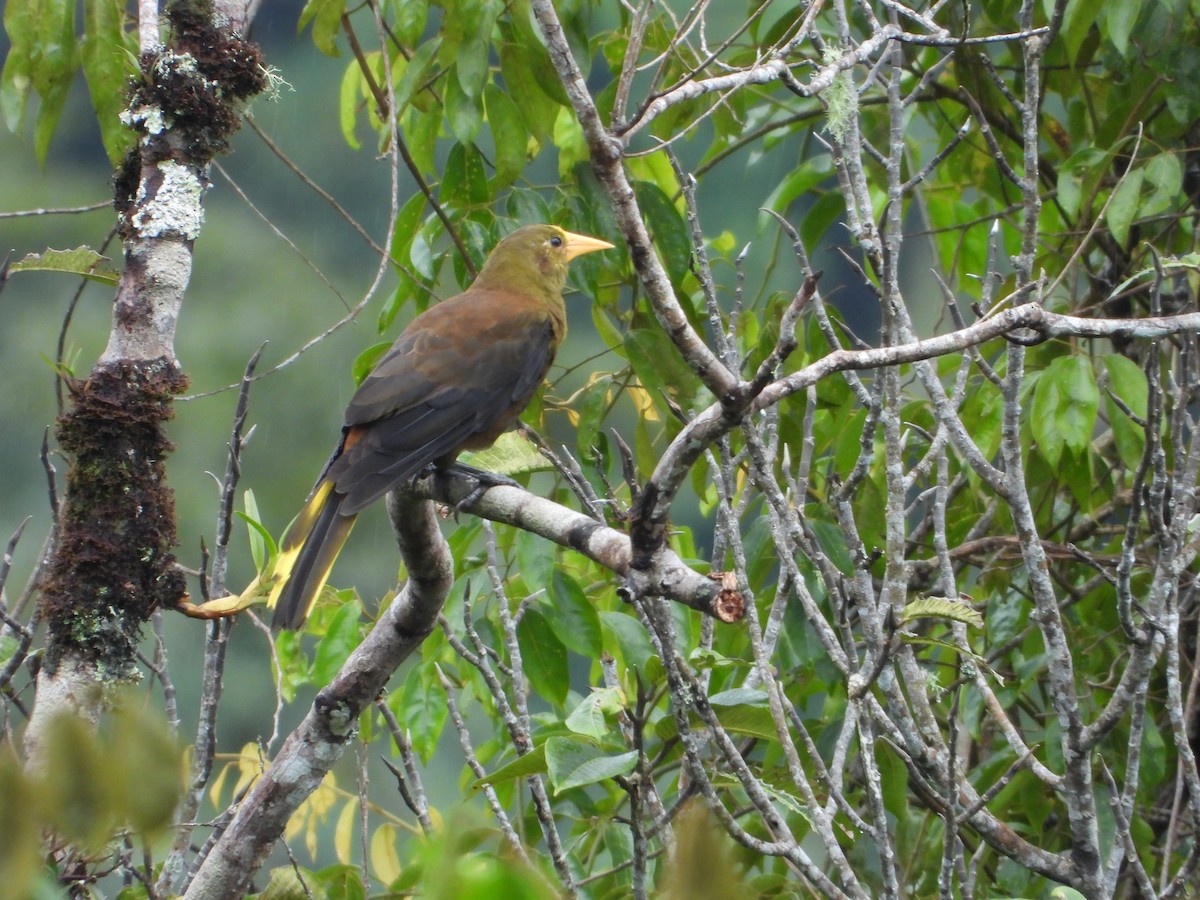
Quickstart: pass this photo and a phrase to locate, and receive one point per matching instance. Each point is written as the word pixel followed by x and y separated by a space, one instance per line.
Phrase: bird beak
pixel 579 244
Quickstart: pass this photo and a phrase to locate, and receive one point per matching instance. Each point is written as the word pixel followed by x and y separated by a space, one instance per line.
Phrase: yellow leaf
pixel 385 861
pixel 249 766
pixel 644 402
pixel 218 786
pixel 315 811
pixel 435 816
pixel 344 832
pixel 185 763
pixel 954 609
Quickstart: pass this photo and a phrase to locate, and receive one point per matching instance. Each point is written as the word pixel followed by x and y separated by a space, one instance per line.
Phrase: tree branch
pixel 318 742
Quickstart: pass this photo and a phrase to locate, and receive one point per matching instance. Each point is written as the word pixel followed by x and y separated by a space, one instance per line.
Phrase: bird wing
pixel 459 375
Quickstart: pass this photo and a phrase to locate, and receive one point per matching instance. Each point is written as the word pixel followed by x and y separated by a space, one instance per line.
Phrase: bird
pixel 455 379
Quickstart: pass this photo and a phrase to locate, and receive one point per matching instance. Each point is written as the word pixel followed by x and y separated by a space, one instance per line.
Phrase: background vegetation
pixel 952 483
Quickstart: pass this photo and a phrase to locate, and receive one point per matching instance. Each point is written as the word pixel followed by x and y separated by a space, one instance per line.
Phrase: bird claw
pixel 484 483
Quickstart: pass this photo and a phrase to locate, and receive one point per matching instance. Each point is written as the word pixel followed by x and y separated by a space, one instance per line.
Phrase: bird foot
pixel 484 481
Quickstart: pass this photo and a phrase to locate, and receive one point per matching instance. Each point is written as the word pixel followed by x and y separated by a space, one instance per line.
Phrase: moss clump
pixel 112 563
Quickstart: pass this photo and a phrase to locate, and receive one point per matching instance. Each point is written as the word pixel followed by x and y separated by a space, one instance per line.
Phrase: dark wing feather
pixel 460 374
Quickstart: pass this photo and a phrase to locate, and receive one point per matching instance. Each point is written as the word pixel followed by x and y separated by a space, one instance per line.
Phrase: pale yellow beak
pixel 579 244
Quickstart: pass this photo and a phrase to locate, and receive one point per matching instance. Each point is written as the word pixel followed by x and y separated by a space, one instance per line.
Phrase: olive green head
pixel 534 259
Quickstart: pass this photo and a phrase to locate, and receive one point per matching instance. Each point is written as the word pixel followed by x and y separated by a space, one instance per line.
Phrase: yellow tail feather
pixel 307 552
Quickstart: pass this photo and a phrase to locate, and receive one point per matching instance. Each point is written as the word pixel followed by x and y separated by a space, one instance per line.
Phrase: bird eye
pixel 556 241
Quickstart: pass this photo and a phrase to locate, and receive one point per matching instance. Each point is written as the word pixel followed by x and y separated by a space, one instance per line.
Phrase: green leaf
pixel 984 416
pixel 632 644
pixel 421 708
pixel 464 114
pixel 408 222
pixel 572 763
pixel 568 139
pixel 800 181
pixel 82 261
pixel 703 658
pixel 366 361
pixel 739 697
pixel 590 717
pixel 326 18
pixel 740 711
pixel 262 545
pixel 16 81
pixel 820 217
pixel 471 61
pixel 949 608
pixel 340 638
pixel 22 823
pixel 465 182
pixel 572 616
pixel 529 40
pixel 416 74
pixel 93 780
pixel 1077 21
pixel 1120 19
pixel 511 454
pixel 1065 403
pixel 659 367
pixel 420 252
pixel 1079 175
pixel 352 90
pixel 8 648
pixel 1188 262
pixel 894 784
pixel 535 560
pixel 337 882
pixel 1164 175
pixel 508 135
pixel 108 52
pixel 667 228
pixel 54 61
pixel 1127 381
pixel 532 763
pixel 1046 400
pixel 849 423
pixel 144 765
pixel 538 109
pixel 589 414
pixel 1077 418
pixel 1070 191
pixel 408 22
pixel 544 657
pixel 1123 206
pixel 608 330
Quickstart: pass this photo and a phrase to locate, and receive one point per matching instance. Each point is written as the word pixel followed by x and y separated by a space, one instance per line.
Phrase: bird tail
pixel 306 555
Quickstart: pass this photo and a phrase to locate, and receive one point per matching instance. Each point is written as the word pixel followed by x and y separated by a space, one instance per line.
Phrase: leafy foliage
pixel 123 779
pixel 46 55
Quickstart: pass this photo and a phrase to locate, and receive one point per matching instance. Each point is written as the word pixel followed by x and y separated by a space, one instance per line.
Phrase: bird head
pixel 536 257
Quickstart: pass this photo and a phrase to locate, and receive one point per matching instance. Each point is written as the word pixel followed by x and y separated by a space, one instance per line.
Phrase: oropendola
pixel 457 377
